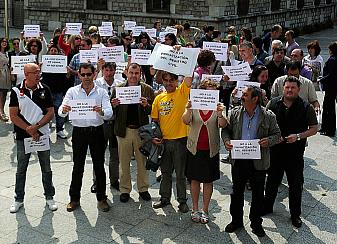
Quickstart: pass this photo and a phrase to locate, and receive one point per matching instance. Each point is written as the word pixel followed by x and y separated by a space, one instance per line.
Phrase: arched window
pixel 158 6
pixel 275 5
pixel 243 7
pixel 300 4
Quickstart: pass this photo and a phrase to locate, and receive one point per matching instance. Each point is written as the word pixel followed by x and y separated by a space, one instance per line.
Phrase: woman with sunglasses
pixel 71 47
pixel 35 46
pixel 5 81
pixel 126 41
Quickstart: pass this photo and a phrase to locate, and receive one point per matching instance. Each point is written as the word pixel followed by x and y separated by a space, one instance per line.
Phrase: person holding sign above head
pixel 203 144
pixel 132 105
pixel 35 46
pixel 88 106
pixel 167 109
pixel 74 64
pixel 57 82
pixel 31 110
pixel 297 121
pixel 252 124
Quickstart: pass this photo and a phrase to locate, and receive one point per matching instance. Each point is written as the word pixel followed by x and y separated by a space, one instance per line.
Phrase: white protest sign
pixel 82 109
pixel 173 30
pixel 128 94
pixel 18 62
pixel 73 28
pixel 54 64
pixel 34 146
pixel 238 72
pixel 120 67
pixel 96 46
pixel 151 32
pixel 128 25
pixel 180 62
pixel 107 23
pixel 215 78
pixel 204 99
pixel 105 30
pixel 31 30
pixel 246 149
pixel 162 35
pixel 112 54
pixel 218 48
pixel 140 56
pixel 137 30
pixel 240 85
pixel 88 56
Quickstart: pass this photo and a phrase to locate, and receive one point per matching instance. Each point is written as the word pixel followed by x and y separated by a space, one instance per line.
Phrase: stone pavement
pixel 137 222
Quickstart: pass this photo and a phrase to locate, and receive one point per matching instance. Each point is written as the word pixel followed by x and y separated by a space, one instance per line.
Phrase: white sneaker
pixel 61 134
pixel 15 207
pixel 51 205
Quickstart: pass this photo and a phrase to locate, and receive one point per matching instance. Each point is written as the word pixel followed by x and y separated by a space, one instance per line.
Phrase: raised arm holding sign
pixel 73 28
pixel 218 48
pixel 54 64
pixel 31 30
pixel 238 72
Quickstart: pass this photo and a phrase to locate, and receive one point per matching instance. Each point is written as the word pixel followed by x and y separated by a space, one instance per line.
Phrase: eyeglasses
pixel 33 45
pixel 15 43
pixel 86 74
pixel 128 39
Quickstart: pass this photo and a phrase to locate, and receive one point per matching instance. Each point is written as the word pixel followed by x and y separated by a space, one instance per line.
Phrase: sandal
pixel 4 117
pixel 195 216
pixel 204 218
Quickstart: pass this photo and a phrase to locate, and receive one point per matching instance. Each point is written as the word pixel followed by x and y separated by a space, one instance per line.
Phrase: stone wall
pixel 220 13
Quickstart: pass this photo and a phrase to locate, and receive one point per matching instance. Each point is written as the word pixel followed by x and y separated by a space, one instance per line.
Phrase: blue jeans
pixel 57 101
pixel 23 161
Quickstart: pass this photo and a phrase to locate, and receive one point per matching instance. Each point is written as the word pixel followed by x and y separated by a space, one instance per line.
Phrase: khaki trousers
pixel 126 147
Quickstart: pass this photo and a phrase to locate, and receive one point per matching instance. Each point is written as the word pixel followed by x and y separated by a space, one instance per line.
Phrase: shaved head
pixel 30 67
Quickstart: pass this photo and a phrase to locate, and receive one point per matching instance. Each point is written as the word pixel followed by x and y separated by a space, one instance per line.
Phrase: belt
pixel 133 126
pixel 89 128
pixel 178 139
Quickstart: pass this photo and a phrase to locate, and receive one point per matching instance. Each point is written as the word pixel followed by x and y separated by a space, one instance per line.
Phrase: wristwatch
pixel 298 137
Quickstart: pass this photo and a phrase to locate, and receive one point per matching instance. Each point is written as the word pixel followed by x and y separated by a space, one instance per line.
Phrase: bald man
pixel 31 109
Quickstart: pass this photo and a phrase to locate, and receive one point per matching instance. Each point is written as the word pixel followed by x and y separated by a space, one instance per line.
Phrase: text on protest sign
pixel 18 63
pixel 128 94
pixel 240 85
pixel 82 109
pixel 105 23
pixel 218 48
pixel 151 32
pixel 36 146
pixel 95 46
pixel 128 25
pixel 238 72
pixel 73 28
pixel 140 56
pixel 246 149
pixel 120 67
pixel 180 62
pixel 112 54
pixel 204 99
pixel 54 64
pixel 31 30
pixel 137 30
pixel 105 30
pixel 173 30
pixel 215 78
pixel 88 56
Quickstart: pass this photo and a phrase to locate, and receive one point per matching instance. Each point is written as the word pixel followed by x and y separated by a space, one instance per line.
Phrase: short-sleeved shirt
pixel 168 108
pixel 75 64
pixel 41 97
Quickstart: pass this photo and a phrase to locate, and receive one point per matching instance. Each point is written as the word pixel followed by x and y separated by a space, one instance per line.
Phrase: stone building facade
pixel 259 15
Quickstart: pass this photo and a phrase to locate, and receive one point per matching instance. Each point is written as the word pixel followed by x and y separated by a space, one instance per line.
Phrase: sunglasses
pixel 86 74
pixel 128 39
pixel 16 43
pixel 77 38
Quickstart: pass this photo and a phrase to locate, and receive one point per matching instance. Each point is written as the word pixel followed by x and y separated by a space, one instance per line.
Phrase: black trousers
pixel 242 171
pixel 329 112
pixel 293 166
pixel 82 138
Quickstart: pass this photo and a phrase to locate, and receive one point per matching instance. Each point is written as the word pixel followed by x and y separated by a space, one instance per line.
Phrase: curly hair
pixel 205 58
pixel 5 39
pixel 38 43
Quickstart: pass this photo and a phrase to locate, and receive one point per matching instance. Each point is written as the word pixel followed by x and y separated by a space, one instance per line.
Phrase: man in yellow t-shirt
pixel 167 110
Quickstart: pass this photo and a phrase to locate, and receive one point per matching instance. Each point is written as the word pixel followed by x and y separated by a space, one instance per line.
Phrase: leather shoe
pixel 258 230
pixel 93 188
pixel 232 227
pixel 103 206
pixel 160 204
pixel 145 195
pixel 73 205
pixel 296 221
pixel 115 185
pixel 124 197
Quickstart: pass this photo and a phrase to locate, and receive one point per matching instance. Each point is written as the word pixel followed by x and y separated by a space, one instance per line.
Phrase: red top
pixel 64 46
pixel 203 142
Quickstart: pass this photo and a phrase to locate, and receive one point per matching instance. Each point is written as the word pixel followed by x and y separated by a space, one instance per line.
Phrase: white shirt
pixel 101 82
pixel 97 93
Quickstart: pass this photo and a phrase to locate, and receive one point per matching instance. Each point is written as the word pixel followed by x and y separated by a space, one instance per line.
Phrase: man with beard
pixel 297 121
